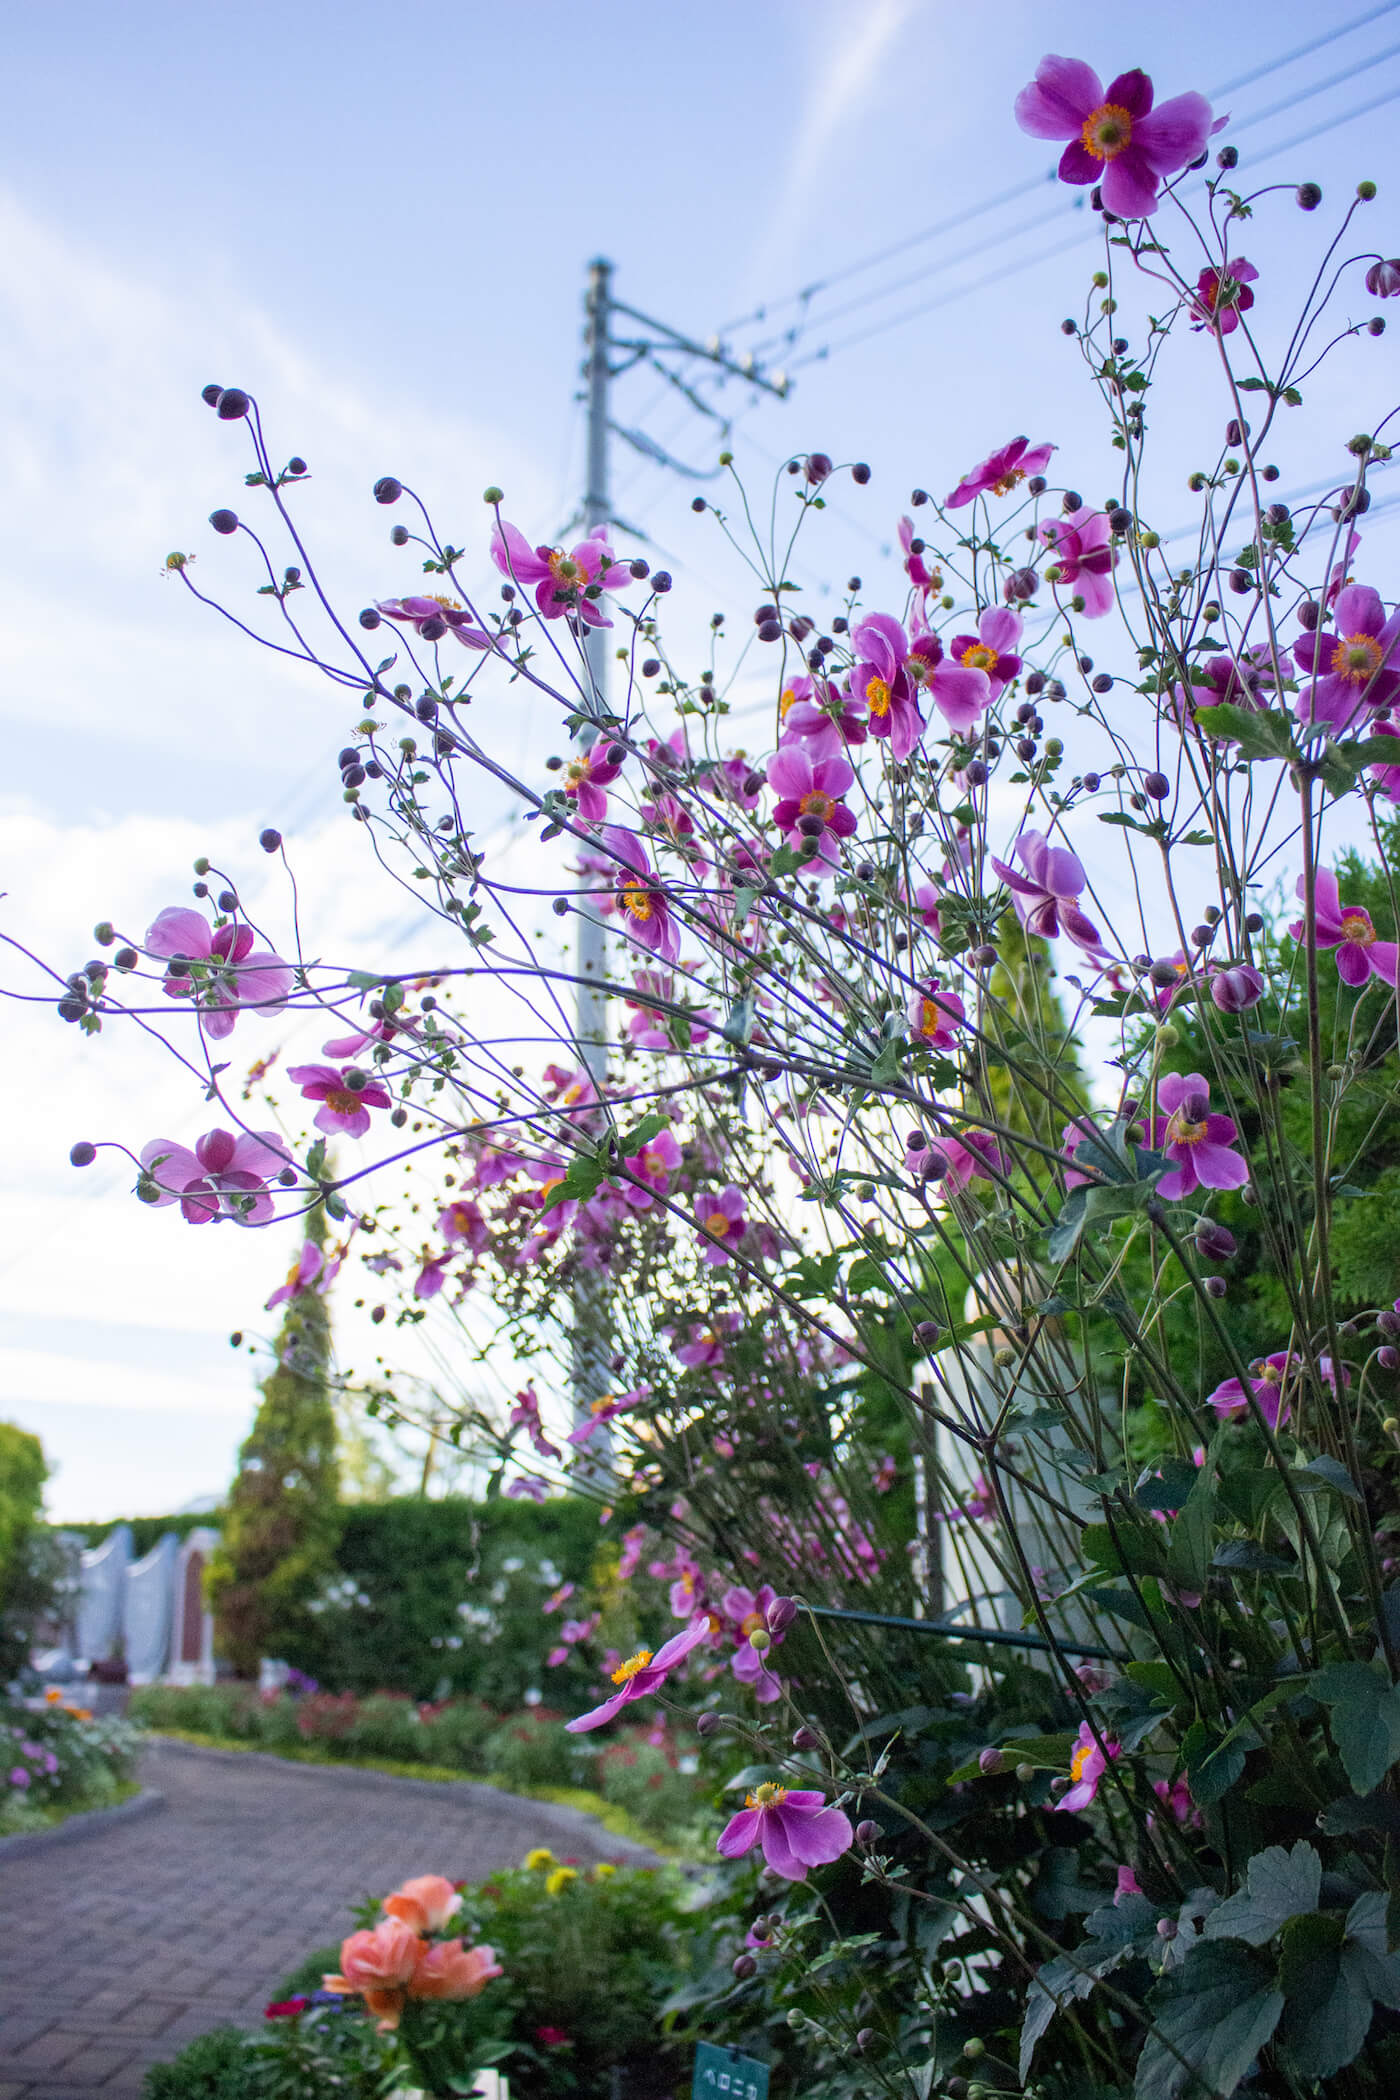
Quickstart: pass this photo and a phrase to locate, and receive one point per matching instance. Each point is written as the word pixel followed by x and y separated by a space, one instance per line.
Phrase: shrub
pixel 532 1749
pixel 57 1755
pixel 644 1778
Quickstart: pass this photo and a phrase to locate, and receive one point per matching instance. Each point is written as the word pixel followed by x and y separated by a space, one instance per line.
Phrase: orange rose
pixel 378 1966
pixel 450 1970
pixel 424 1904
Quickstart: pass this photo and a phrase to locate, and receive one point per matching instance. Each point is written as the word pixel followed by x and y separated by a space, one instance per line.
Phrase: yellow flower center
pixel 817 803
pixel 576 772
pixel 636 901
pixel 877 694
pixel 625 1672
pixel 595 1407
pixel 754 1622
pixel 978 657
pixel 565 570
pixel 932 1016
pixel 546 1187
pixel 717 1224
pixel 1357 929
pixel 1357 658
pixel 342 1101
pixel 1008 481
pixel 1180 1132
pixel 786 699
pixel 1106 131
pixel 769 1795
pixel 652 1163
pixel 441 598
pixel 1079 1760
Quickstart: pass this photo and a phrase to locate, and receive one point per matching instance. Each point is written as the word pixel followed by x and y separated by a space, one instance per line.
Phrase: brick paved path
pixel 117 1949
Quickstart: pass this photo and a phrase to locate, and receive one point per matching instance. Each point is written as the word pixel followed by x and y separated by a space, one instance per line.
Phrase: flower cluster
pixel 407 1957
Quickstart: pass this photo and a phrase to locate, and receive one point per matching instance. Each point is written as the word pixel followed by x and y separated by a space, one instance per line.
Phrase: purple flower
pixel 960 691
pixel 1267 1375
pixel 1198 1142
pixel 878 677
pixel 748 1612
pixel 1383 278
pixel 304 1273
pixel 1222 295
pixel 935 1017
pixel 1087 1767
pixel 432 618
pixel 722 1223
pixel 1235 987
pixel 1238 679
pixel 1356 666
pixel 1046 897
pixel 810 810
pixel 208 1182
pixel 795 1828
pixel 642 1673
pixel 1348 929
pixel 585 777
pixel 1000 472
pixel 562 580
pixel 227 975
pixel 998 632
pixel 1116 137
pixel 1387 778
pixel 344 1110
pixel 1083 550
pixel 646 916
pixel 923 578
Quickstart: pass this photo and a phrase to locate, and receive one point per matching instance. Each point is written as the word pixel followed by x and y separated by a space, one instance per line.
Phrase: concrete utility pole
pixel 590 1331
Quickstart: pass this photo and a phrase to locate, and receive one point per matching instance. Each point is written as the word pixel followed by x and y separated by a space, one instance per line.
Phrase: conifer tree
pixel 282 1518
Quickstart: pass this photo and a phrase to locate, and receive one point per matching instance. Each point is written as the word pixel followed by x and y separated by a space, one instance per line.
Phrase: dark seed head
pixel 83 1154
pixel 387 489
pixel 269 840
pixel 232 404
pixel 224 521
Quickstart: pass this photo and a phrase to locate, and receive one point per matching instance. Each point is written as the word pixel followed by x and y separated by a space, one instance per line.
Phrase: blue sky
pixel 379 219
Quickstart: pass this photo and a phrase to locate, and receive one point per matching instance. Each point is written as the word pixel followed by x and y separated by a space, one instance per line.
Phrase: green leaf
pixel 884 1068
pixel 1326 1472
pixel 585 1176
pixel 1258 735
pixel 1327 1983
pixel 636 1140
pixel 363 980
pixel 1210 2019
pixel 739 1022
pixel 1114 1933
pixel 1212 1764
pixel 1193 1535
pixel 1365 1720
pixel 1253 1559
pixel 1278 1886
pixel 1166 1485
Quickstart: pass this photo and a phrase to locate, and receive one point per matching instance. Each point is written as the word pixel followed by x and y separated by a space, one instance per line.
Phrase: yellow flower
pixel 560 1879
pixel 603 1869
pixel 540 1857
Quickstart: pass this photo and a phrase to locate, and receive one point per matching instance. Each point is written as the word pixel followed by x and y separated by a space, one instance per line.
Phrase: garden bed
pixel 65 1825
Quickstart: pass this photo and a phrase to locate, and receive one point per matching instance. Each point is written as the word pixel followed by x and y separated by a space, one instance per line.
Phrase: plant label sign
pixel 724 2072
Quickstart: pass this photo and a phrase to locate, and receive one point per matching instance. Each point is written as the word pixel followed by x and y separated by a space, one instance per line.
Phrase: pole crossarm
pixel 745 367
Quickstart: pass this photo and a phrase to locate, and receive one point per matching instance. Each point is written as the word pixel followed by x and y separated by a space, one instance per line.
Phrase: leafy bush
pixel 57 1755
pixel 532 1749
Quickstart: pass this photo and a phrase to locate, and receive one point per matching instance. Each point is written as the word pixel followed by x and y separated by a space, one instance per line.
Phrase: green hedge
pixel 391 1618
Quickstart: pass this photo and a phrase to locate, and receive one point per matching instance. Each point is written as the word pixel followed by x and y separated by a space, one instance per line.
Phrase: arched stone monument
pixel 147 1611
pixel 101 1604
pixel 192 1634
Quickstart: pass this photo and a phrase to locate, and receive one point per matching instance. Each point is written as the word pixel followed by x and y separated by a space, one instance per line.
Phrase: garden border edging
pixel 86 1823
pixel 564 1824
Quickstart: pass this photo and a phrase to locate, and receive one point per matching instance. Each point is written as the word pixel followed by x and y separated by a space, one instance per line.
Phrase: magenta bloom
pixel 1267 1375
pixel 227 974
pixel 935 1017
pixel 653 1166
pixel 826 720
pixel 748 1612
pixel 585 777
pixel 1387 778
pixel 722 1223
pixel 642 1673
pixel 1000 472
pixel 1235 987
pixel 1356 666
pixel 344 1110
pixel 646 916
pixel 1238 679
pixel 302 1276
pixel 1046 897
pixel 1348 929
pixel 989 650
pixel 1086 1768
pixel 810 785
pixel 1082 547
pixel 432 618
pixel 1221 296
pixel 462 1224
pixel 923 578
pixel 794 1826
pixel 601 1412
pixel 1198 1142
pixel 562 581
pixel 878 677
pixel 1383 278
pixel 208 1182
pixel 955 1161
pixel 526 1414
pixel 1116 137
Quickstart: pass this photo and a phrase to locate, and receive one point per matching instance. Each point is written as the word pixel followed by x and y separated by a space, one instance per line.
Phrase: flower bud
pixel 370 618
pixel 867 1833
pixel 232 404
pixel 1309 196
pixel 1214 1286
pixel 224 521
pixel 1383 279
pixel 1025 1773
pixel 781 1613
pixel 269 840
pixel 817 467
pixel 1389 1324
pixel 126 958
pixel 1020 586
pixel 83 1154
pixel 744 1966
pixel 804 1739
pixel 1236 989
pixel 707 1725
pixel 661 582
pixel 1156 785
pixel 860 473
pixel 1388 1358
pixel 927 1333
pixel 991 1761
pixel 210 394
pixel 864 2037
pixel 760 1640
pixel 974 2047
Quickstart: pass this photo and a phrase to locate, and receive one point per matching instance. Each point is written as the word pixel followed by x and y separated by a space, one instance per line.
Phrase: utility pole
pixel 590 1329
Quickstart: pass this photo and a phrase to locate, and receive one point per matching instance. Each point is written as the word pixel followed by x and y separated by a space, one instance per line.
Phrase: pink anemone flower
pixel 747 1611
pixel 646 916
pixel 878 677
pixel 344 1110
pixel 1116 137
pixel 1387 778
pixel 810 809
pixel 722 1222
pixel 823 718
pixel 923 578
pixel 1355 665
pixel 432 618
pixel 301 1277
pixel 1222 295
pixel 1000 472
pixel 794 1826
pixel 1087 1765
pixel 1267 1376
pixel 989 650
pixel 1082 546
pixel 586 775
pixel 642 1673
pixel 1196 1141
pixel 561 580
pixel 1046 897
pixel 214 1180
pixel 228 974
pixel 960 691
pixel 935 1017
pixel 1348 929
pixel 462 1224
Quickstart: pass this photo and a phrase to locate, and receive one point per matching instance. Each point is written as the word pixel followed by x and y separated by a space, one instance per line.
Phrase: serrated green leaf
pixel 1258 734
pixel 1210 2019
pixel 636 1140
pixel 1213 1763
pixel 1278 1886
pixel 1364 1712
pixel 1329 1999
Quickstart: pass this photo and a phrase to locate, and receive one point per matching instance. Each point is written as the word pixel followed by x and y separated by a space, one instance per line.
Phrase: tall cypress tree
pixel 282 1518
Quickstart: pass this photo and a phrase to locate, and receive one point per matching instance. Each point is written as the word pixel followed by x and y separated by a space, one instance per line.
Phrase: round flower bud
pixel 1228 157
pixel 804 1739
pixel 1391 1426
pixel 927 1333
pixel 816 467
pixel 1120 520
pixel 224 521
pixel 991 1761
pixel 1237 988
pixel 233 404
pixel 398 536
pixel 269 840
pixel 1388 1358
pixel 126 958
pixel 1309 196
pixel 1389 1324
pixel 770 631
pixel 201 866
pixel 744 1966
pixel 864 2037
pixel 104 933
pixel 493 495
pixel 1214 1286
pixel 760 1640
pixel 370 618
pixel 210 394
pixel 661 582
pixel 860 473
pixel 707 1725
pixel 1020 586
pixel 1025 1773
pixel 83 1154
pixel 867 1833
pixel 781 1613
pixel 974 2047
